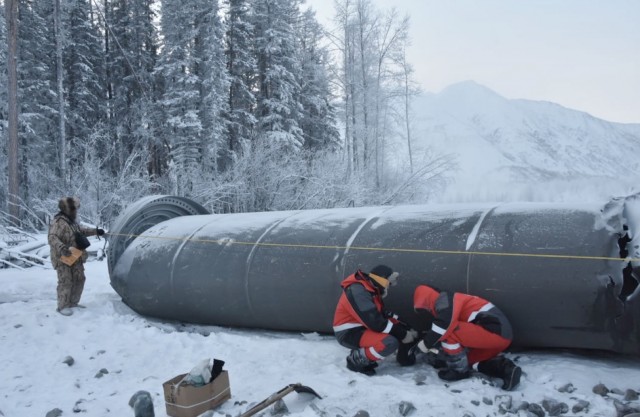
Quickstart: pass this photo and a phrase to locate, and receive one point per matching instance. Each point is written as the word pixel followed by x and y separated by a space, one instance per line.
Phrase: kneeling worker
pixel 361 322
pixel 470 330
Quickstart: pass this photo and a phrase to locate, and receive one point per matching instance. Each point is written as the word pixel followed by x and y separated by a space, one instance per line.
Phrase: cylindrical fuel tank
pixel 554 269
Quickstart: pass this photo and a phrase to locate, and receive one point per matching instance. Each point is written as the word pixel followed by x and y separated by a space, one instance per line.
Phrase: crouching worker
pixel 361 322
pixel 470 330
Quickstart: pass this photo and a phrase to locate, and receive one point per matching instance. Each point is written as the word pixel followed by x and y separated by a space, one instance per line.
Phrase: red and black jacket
pixel 361 306
pixel 448 310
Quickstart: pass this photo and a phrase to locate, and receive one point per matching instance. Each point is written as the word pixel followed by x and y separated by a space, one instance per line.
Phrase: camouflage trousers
pixel 70 285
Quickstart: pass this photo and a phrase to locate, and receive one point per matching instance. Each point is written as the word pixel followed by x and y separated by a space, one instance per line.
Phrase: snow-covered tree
pixel 180 99
pixel 209 65
pixel 368 42
pixel 39 136
pixel 131 43
pixel 317 116
pixel 3 107
pixel 241 67
pixel 278 92
pixel 84 72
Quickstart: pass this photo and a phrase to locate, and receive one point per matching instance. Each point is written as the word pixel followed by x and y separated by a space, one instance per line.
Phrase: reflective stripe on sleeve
pixel 346 326
pixel 450 346
pixel 438 329
pixel 484 308
pixel 388 328
pixel 375 354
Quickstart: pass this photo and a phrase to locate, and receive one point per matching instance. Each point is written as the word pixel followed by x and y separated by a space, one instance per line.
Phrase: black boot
pixel 357 361
pixel 450 374
pixel 492 367
pixel 502 367
pixel 457 367
pixel 511 374
pixel 437 360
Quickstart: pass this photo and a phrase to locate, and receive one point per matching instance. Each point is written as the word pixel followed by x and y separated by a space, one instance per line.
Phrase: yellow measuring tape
pixel 364 248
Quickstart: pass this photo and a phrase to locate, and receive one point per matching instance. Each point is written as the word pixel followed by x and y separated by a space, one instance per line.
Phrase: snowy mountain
pixel 530 150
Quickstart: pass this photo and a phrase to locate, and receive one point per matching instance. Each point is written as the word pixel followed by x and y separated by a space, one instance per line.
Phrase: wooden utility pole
pixel 13 200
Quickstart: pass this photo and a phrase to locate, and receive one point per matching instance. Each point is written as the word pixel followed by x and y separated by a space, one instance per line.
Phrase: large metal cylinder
pixel 554 269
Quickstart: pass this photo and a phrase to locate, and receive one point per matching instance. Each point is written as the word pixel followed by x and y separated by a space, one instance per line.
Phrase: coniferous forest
pixel 241 105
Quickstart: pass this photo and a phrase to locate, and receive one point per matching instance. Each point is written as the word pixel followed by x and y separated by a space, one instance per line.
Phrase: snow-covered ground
pixel 140 354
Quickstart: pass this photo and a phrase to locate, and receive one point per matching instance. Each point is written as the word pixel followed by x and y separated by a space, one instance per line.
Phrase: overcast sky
pixel 582 54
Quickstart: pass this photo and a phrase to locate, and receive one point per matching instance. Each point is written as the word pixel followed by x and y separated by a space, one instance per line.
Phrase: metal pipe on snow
pixel 566 275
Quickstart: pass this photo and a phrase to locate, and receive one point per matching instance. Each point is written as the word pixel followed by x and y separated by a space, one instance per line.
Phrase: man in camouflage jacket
pixel 62 236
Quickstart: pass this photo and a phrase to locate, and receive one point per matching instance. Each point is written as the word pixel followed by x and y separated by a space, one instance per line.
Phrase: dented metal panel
pixel 555 269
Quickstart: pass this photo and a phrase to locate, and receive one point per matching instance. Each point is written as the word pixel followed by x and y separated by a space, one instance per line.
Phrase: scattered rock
pixel 617 391
pixel 17 326
pixel 135 396
pixel 318 411
pixel 101 352
pixel 77 407
pixel 361 413
pixel 623 410
pixel 567 388
pixel 99 375
pixel 69 360
pixel 504 403
pixel 243 402
pixel 582 405
pixel 456 391
pixel 468 414
pixel 405 408
pixel 475 402
pixel 554 408
pixel 536 409
pixel 279 408
pixel 103 371
pixel 56 412
pixel 524 405
pixel 487 401
pixel 419 378
pixel 630 395
pixel 142 404
pixel 600 389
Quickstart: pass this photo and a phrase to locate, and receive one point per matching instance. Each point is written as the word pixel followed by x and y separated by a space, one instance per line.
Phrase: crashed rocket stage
pixel 566 275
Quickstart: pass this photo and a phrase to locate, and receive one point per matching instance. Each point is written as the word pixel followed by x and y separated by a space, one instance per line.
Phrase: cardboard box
pixel 190 401
pixel 75 255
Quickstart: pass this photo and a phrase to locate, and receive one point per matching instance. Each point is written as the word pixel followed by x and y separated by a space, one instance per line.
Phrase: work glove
pixel 99 231
pixel 65 251
pixel 410 336
pixel 399 331
pixel 422 347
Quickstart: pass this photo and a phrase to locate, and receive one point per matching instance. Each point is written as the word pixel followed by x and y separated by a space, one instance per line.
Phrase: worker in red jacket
pixel 469 330
pixel 362 324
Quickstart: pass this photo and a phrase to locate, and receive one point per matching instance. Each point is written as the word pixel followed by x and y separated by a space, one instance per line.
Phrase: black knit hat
pixel 382 271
